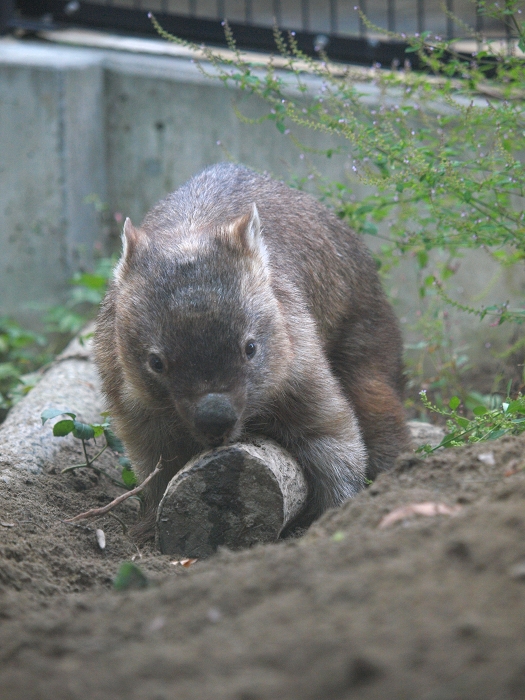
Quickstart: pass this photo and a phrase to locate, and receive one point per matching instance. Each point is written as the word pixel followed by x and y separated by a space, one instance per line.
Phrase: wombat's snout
pixel 214 417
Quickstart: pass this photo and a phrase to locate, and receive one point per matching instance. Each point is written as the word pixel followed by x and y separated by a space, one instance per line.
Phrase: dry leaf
pixel 513 467
pixel 428 509
pixel 184 562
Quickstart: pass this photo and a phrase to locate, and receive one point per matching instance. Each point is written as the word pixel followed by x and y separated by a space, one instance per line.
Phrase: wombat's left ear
pixel 245 232
pixel 130 238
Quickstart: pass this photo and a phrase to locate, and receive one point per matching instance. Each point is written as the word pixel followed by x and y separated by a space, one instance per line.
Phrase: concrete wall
pixel 111 127
pixel 51 158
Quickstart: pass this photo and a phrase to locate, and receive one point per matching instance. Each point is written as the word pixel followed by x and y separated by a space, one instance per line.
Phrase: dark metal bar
pixel 391 15
pixel 192 8
pixel 30 15
pixel 305 15
pixel 479 17
pixel 7 9
pixel 127 21
pixel 420 16
pixel 221 9
pixel 277 11
pixel 362 26
pixel 248 11
pixel 450 21
pixel 333 16
pixel 508 30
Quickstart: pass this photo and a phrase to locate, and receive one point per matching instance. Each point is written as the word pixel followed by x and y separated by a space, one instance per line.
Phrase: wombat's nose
pixel 214 416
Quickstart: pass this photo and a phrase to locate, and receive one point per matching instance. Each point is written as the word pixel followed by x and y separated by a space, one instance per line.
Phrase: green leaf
pixel 125 462
pixel 495 434
pixel 129 576
pixel 454 403
pixel 462 422
pixel 54 412
pixel 63 427
pixel 479 411
pixel 281 127
pixel 422 258
pixel 370 228
pixel 517 406
pixel 129 478
pixel 447 440
pixel 98 429
pixel 114 443
pixel 8 371
pixel 83 431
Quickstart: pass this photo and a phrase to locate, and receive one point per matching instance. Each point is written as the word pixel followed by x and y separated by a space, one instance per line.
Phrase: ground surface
pixel 431 608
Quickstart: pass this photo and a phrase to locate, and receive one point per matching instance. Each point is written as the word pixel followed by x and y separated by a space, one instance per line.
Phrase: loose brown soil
pixel 431 608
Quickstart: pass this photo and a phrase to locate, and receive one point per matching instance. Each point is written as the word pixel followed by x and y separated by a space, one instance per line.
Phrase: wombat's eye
pixel 250 349
pixel 156 363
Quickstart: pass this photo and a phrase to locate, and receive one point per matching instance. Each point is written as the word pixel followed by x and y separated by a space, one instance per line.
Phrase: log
pixel 69 383
pixel 233 496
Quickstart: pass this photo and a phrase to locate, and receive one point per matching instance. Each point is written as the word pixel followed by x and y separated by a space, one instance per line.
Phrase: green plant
pixel 486 424
pixel 21 352
pixel 86 292
pixel 90 431
pixel 130 576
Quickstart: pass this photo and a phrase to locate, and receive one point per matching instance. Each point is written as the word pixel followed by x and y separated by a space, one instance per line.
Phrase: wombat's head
pixel 199 331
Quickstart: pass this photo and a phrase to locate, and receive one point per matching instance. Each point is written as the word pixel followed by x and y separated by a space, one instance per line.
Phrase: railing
pixel 333 25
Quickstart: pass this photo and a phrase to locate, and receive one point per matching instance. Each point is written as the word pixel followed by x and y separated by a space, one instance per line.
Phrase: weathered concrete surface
pixel 234 496
pixel 52 159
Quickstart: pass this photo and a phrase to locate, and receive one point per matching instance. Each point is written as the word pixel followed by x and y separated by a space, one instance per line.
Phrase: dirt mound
pixel 430 608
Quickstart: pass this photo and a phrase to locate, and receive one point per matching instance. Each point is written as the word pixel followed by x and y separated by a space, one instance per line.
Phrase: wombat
pixel 241 307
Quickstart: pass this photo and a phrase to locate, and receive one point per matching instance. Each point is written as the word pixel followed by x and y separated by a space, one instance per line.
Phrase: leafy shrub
pixel 21 352
pixel 485 424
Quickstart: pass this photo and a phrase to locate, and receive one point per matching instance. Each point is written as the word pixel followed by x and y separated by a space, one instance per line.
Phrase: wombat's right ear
pixel 245 233
pixel 130 238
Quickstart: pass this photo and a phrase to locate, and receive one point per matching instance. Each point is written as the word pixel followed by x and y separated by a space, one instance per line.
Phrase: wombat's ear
pixel 246 233
pixel 130 238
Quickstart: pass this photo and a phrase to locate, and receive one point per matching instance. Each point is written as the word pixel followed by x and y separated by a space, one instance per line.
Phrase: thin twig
pixel 96 512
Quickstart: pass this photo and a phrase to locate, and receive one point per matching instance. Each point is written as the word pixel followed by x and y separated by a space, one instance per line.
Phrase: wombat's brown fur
pixel 240 307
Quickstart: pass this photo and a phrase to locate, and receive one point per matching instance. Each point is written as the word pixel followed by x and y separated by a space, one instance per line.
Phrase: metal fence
pixel 333 24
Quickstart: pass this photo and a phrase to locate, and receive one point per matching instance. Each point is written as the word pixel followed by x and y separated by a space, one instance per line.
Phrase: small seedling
pixel 486 424
pixel 90 431
pixel 129 576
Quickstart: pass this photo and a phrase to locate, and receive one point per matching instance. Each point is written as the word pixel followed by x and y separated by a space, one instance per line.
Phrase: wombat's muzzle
pixel 214 417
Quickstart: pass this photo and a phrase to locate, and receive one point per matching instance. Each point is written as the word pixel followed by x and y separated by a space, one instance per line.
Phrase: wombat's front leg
pixel 317 425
